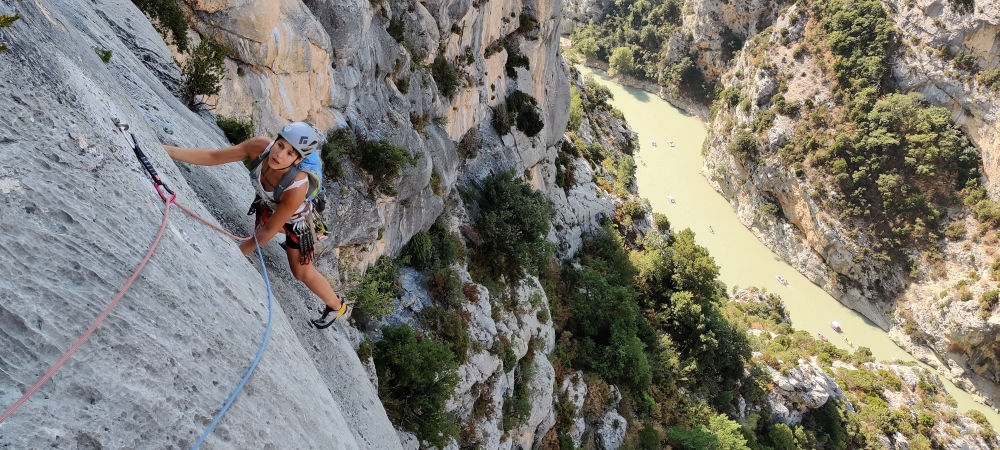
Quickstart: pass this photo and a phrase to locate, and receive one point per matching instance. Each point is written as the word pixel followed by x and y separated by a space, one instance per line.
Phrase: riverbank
pixel 743 259
pixel 688 105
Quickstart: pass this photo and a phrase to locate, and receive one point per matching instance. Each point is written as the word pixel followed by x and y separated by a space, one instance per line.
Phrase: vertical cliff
pixel 783 86
pixel 80 211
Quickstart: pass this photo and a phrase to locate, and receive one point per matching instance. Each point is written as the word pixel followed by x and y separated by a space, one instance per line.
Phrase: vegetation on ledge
pixel 887 162
pixel 635 38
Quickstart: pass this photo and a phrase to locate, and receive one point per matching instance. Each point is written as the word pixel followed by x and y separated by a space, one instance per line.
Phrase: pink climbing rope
pixel 97 322
pixel 210 224
pixel 114 302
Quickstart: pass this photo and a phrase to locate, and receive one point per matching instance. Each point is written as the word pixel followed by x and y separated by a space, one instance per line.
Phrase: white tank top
pixel 268 196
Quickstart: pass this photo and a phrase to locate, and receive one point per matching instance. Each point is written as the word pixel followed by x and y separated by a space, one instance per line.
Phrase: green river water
pixel 743 260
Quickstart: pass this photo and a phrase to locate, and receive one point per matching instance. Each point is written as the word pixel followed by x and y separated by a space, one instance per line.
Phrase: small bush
pixel 513 222
pixel 470 144
pixel 955 230
pixel 730 96
pixel 515 58
pixel 444 75
pixel 660 222
pixel 449 328
pixel 167 17
pixel 520 110
pixel 575 109
pixel 503 120
pixel 382 161
pixel 517 404
pixel 435 182
pixel 784 107
pixel 104 54
pixel 506 354
pixel 743 145
pixel 965 61
pixel 770 209
pixel 6 21
pixel 415 379
pixel 338 144
pixel 988 301
pixel 377 291
pixel 990 79
pixel 396 28
pixel 446 287
pixel 526 23
pixel 235 128
pixel 633 209
pixel 403 84
pixel 204 70
pixel 420 250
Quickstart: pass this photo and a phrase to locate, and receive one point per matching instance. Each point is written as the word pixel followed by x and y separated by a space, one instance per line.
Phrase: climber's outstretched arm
pixel 250 148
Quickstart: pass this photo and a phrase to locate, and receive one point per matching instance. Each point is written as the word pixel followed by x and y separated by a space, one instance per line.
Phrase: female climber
pixel 281 202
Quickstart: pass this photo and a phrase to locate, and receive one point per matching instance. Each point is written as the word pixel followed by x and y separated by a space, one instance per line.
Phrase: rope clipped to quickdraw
pixel 270 296
pixel 157 182
pixel 160 187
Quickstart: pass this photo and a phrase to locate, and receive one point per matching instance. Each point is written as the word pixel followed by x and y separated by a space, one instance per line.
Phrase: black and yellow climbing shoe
pixel 322 322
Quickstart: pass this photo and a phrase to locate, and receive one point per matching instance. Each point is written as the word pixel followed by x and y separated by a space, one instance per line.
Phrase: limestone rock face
pixel 974 108
pixel 611 431
pixel 574 389
pixel 951 335
pixel 804 388
pixel 79 214
pixel 280 67
pixel 813 240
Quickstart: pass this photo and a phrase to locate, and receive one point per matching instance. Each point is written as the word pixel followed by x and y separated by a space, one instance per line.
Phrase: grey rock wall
pixel 78 213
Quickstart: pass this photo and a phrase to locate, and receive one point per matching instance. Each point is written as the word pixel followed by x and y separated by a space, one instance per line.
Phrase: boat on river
pixel 836 326
pixel 671 198
pixel 849 342
pixel 652 142
pixel 822 338
pixel 670 143
pixel 781 279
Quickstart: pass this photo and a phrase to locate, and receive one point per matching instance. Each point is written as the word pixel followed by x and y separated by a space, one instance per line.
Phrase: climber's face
pixel 283 155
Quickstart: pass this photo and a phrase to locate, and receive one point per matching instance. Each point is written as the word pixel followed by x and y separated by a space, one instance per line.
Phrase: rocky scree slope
pixel 946 52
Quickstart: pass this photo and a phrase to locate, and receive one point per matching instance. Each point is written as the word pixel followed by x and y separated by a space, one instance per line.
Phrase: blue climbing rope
pixel 260 352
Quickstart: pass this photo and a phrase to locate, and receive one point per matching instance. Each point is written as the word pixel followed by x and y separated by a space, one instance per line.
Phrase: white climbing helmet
pixel 303 137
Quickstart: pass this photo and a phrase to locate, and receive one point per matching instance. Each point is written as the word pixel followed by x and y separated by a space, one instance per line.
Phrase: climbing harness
pixel 160 187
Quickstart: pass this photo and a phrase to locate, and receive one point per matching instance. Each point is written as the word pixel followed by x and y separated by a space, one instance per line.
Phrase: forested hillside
pixel 813 96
